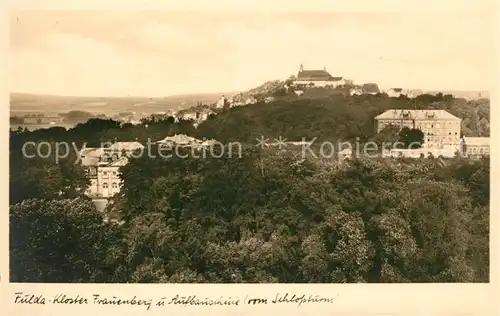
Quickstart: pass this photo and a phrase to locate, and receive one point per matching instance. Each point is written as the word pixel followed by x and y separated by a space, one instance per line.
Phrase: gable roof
pixel 417 114
pixel 180 139
pixel 90 156
pixel 119 146
pixel 122 161
pixel 313 75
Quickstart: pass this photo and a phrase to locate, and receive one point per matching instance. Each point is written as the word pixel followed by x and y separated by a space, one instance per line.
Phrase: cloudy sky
pixel 103 53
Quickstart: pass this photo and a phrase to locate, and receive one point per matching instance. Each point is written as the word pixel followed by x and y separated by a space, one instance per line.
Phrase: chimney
pixel 301 68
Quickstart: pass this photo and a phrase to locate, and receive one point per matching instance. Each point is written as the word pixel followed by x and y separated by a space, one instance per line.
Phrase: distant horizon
pixel 210 93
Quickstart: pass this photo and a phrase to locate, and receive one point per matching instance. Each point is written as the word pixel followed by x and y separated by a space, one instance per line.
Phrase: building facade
pixel 102 166
pixel 441 129
pixel 397 92
pixel 420 153
pixel 475 147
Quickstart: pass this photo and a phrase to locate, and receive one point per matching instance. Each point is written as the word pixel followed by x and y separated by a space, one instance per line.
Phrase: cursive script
pixel 193 300
pixel 99 300
pixel 24 298
pixel 64 299
pixel 300 299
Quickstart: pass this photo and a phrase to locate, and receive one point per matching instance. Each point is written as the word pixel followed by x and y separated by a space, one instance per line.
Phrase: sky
pixel 135 53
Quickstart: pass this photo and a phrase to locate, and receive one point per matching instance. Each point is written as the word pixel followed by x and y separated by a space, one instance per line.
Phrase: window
pixel 432 125
pixel 105 185
pixel 115 185
pixel 450 133
pixel 114 173
pixel 105 173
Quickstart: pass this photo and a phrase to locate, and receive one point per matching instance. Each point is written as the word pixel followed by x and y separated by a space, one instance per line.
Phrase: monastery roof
pixel 416 114
pixel 313 75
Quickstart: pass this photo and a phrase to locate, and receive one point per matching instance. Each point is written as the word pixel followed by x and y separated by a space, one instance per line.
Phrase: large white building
pixel 441 129
pixel 317 78
pixel 102 166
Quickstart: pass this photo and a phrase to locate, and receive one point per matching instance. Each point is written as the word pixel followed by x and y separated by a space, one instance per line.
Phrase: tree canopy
pixel 268 215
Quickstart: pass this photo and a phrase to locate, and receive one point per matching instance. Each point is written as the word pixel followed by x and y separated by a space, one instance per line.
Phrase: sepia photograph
pixel 249 147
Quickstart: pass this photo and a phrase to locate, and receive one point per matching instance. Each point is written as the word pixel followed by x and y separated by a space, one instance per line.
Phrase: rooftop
pixel 119 146
pixel 90 156
pixel 315 75
pixel 477 141
pixel 122 161
pixel 179 139
pixel 416 115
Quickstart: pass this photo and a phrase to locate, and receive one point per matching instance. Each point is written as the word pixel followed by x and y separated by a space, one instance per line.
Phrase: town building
pixel 356 91
pixel 394 92
pixel 222 102
pixel 397 92
pixel 197 115
pixel 179 140
pixel 447 152
pixel 317 78
pixel 42 119
pixel 441 129
pixel 102 166
pixel 475 147
pixel 251 100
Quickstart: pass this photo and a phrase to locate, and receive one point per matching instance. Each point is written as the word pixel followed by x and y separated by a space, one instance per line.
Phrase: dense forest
pixel 265 217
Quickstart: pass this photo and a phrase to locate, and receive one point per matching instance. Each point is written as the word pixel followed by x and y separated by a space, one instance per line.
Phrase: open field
pixel 22 103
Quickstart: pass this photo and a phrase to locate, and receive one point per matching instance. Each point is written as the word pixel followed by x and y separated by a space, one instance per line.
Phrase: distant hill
pixel 468 95
pixel 22 103
pixel 265 89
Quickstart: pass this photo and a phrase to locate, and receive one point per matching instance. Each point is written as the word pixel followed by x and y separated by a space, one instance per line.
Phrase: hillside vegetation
pixel 265 216
pixel 335 118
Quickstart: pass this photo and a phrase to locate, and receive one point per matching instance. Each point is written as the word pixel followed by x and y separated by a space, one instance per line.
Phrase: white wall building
pixel 441 129
pixel 475 147
pixel 102 166
pixel 317 78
